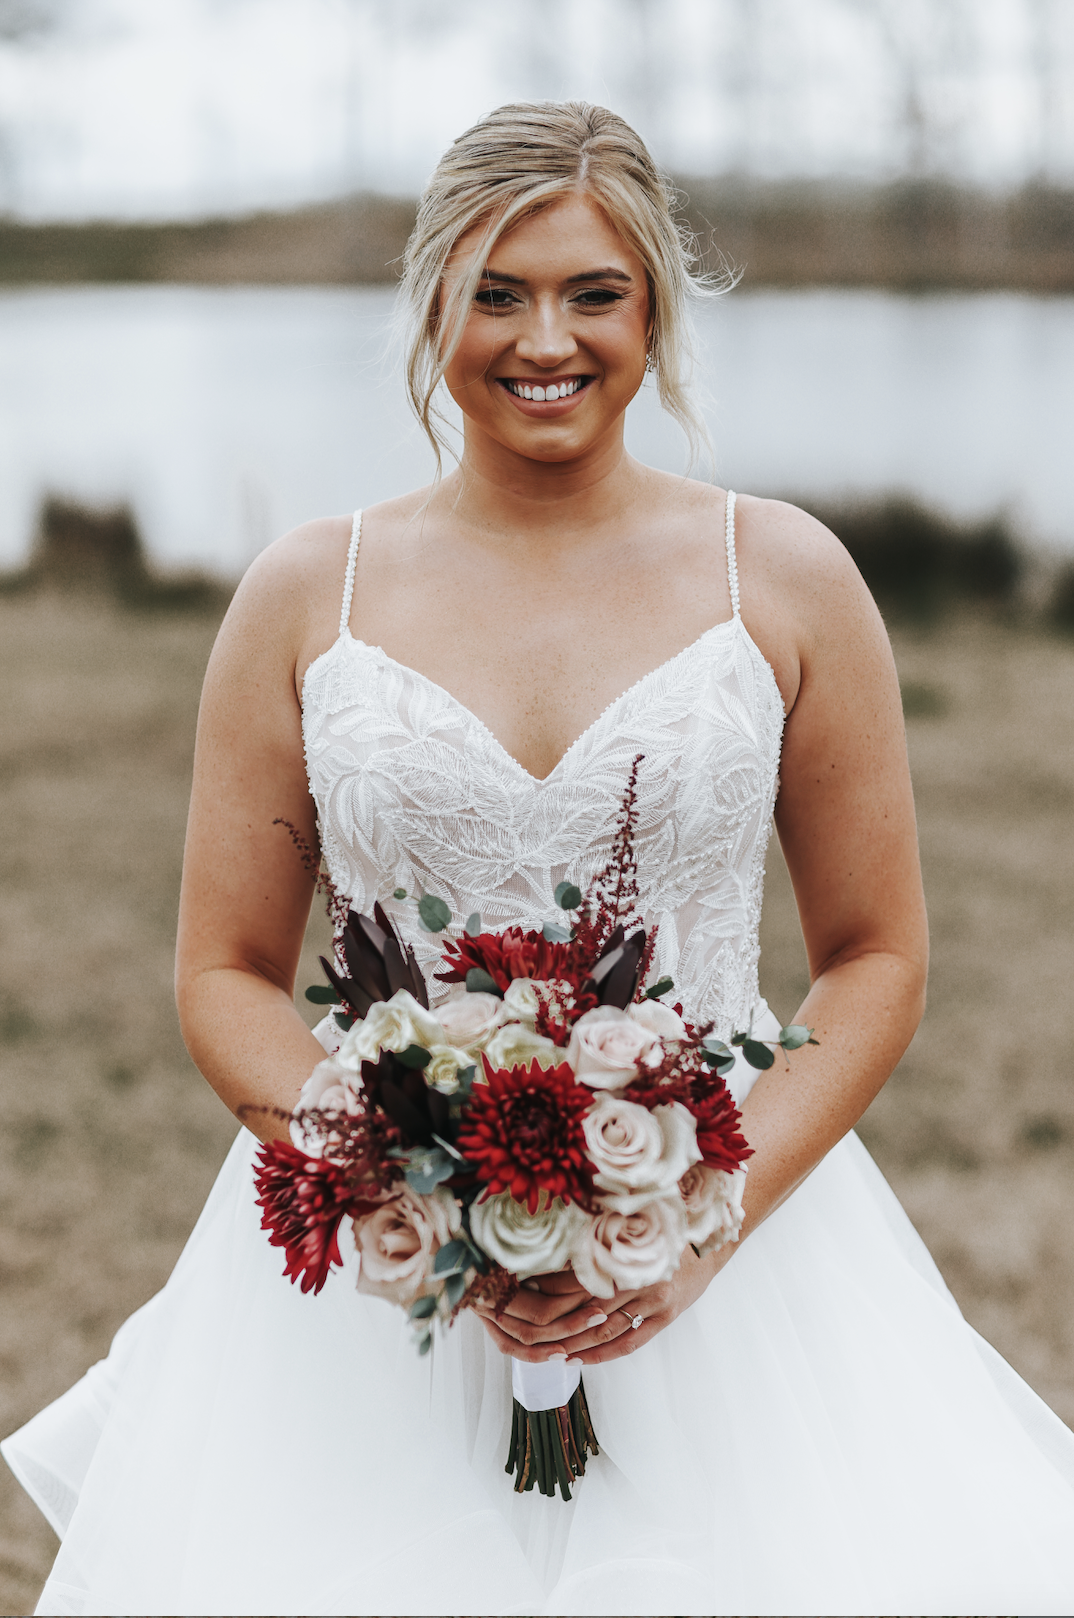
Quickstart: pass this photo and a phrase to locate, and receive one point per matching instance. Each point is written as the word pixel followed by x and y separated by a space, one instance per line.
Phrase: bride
pixel 447 692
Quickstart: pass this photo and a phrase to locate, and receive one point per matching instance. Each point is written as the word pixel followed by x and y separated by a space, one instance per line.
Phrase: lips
pixel 546 392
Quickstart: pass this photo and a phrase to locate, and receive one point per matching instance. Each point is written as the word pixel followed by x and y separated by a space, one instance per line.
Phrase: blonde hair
pixel 516 161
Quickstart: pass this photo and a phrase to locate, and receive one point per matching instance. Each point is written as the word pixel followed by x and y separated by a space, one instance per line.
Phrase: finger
pixel 554 1282
pixel 627 1342
pixel 561 1330
pixel 535 1354
pixel 540 1309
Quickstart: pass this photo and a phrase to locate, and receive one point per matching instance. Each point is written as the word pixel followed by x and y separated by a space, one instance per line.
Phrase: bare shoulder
pixel 802 595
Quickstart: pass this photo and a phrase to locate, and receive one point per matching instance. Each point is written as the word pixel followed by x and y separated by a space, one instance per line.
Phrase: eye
pixel 597 298
pixel 495 298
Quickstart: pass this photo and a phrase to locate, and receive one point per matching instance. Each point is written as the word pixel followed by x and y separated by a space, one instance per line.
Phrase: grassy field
pixel 112 1140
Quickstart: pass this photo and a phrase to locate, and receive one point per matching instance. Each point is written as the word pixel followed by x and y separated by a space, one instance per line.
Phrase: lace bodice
pixel 414 792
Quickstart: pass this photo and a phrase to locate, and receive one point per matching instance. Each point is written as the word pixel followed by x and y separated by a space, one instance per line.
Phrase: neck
pixel 542 503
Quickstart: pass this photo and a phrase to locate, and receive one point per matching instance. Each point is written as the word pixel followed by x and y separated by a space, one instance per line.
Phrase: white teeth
pixel 554 393
pixel 527 392
pixel 563 390
pixel 538 393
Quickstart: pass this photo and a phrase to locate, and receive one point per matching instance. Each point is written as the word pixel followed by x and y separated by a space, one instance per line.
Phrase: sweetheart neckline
pixel 535 781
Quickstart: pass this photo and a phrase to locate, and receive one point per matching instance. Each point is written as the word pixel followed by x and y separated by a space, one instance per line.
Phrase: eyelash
pixel 599 298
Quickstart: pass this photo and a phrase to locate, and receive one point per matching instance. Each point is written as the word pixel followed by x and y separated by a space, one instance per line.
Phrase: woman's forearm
pixel 864 1012
pixel 246 1037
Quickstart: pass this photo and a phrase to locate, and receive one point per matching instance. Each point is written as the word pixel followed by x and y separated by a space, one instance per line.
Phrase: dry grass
pixel 112 1140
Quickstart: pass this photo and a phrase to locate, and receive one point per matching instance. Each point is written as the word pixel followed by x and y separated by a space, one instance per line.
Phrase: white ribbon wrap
pixel 545 1386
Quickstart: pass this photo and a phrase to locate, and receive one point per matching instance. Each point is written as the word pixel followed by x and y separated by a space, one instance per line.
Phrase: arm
pixel 245 896
pixel 846 823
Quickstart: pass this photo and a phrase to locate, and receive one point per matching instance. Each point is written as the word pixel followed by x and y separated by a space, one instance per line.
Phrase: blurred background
pixel 202 208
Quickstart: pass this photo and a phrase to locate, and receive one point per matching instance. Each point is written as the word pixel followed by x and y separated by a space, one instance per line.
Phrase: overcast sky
pixel 161 108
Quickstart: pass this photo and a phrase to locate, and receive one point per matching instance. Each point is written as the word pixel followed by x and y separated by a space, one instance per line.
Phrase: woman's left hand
pixel 514 1331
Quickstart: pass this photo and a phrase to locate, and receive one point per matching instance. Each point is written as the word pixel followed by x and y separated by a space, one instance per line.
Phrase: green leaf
pixel 454 1289
pixel 716 1047
pixel 322 995
pixel 794 1037
pixel 567 896
pixel 555 935
pixel 399 893
pixel 661 986
pixel 478 981
pixel 414 1056
pixel 345 1019
pixel 446 1146
pixel 425 1343
pixel 756 1054
pixel 450 1256
pixel 423 1307
pixel 426 1169
pixel 433 913
pixel 473 924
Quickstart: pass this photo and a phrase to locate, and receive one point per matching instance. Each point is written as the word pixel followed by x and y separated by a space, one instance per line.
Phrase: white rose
pixel 398 1242
pixel 712 1201
pixel 329 1088
pixel 606 1047
pixel 625 1252
pixel 442 1071
pixel 658 1019
pixel 638 1154
pixel 521 1001
pixel 516 1045
pixel 468 1019
pixel 526 1244
pixel 389 1025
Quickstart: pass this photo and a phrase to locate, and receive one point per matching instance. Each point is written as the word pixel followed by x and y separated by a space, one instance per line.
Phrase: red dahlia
pixel 719 1140
pixel 523 1133
pixel 304 1199
pixel 509 955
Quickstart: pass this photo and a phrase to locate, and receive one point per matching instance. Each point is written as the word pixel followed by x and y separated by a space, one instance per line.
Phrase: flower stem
pixel 550 1447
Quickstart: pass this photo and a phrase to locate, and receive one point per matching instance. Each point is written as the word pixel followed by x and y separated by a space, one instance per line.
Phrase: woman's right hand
pixel 545 1309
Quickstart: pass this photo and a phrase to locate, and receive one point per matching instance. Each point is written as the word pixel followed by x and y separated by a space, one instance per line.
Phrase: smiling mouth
pixel 544 393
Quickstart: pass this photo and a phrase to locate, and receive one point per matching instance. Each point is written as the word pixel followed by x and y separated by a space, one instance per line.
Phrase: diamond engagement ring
pixel 635 1320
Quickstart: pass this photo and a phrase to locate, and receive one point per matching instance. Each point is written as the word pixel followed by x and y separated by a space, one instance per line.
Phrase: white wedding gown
pixel 820 1433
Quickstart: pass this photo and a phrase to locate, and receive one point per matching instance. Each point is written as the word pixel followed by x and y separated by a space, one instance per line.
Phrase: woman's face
pixel 562 308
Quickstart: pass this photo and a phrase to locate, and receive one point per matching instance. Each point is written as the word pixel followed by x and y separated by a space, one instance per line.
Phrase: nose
pixel 546 338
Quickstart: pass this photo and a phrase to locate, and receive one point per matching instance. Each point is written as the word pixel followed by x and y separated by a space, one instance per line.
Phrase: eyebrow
pixel 608 273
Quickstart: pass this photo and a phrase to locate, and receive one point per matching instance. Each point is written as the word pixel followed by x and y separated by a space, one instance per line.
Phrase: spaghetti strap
pixel 729 543
pixel 348 580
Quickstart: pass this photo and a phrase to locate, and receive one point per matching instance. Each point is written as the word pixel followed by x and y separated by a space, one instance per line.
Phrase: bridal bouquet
pixel 552 1110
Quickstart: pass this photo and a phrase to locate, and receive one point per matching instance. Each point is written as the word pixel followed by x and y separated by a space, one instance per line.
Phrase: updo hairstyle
pixel 516 161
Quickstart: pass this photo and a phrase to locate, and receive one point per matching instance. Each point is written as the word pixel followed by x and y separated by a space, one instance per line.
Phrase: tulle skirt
pixel 821 1433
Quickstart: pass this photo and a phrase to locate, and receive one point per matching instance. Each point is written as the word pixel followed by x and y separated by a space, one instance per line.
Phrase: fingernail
pixel 560 1354
pixel 596 1320
pixel 576 1362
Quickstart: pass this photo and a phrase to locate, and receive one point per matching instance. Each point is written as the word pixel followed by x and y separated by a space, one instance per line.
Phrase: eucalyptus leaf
pixel 423 1307
pixel 717 1048
pixel 756 1054
pixel 414 1056
pixel 447 1147
pixel 454 1289
pixel 555 935
pixel 425 1343
pixel 473 924
pixel 450 1256
pixel 568 896
pixel 399 893
pixel 433 913
pixel 478 981
pixel 661 986
pixel 428 1169
pixel 345 1019
pixel 322 995
pixel 794 1037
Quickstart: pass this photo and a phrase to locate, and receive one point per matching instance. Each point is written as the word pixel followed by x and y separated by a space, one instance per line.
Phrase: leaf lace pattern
pixel 413 791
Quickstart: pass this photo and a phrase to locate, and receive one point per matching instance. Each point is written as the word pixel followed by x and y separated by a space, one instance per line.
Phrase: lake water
pixel 227 415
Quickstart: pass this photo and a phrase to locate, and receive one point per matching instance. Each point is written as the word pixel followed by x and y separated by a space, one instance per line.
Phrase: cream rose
pixel 638 1154
pixel 624 1252
pixel 712 1201
pixel 527 1244
pixel 397 1244
pixel 469 1019
pixel 329 1088
pixel 516 1045
pixel 442 1070
pixel 607 1046
pixel 521 1001
pixel 390 1025
pixel 658 1019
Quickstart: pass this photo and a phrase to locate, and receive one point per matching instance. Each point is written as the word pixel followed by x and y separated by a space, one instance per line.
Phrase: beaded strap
pixel 348 580
pixel 729 542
